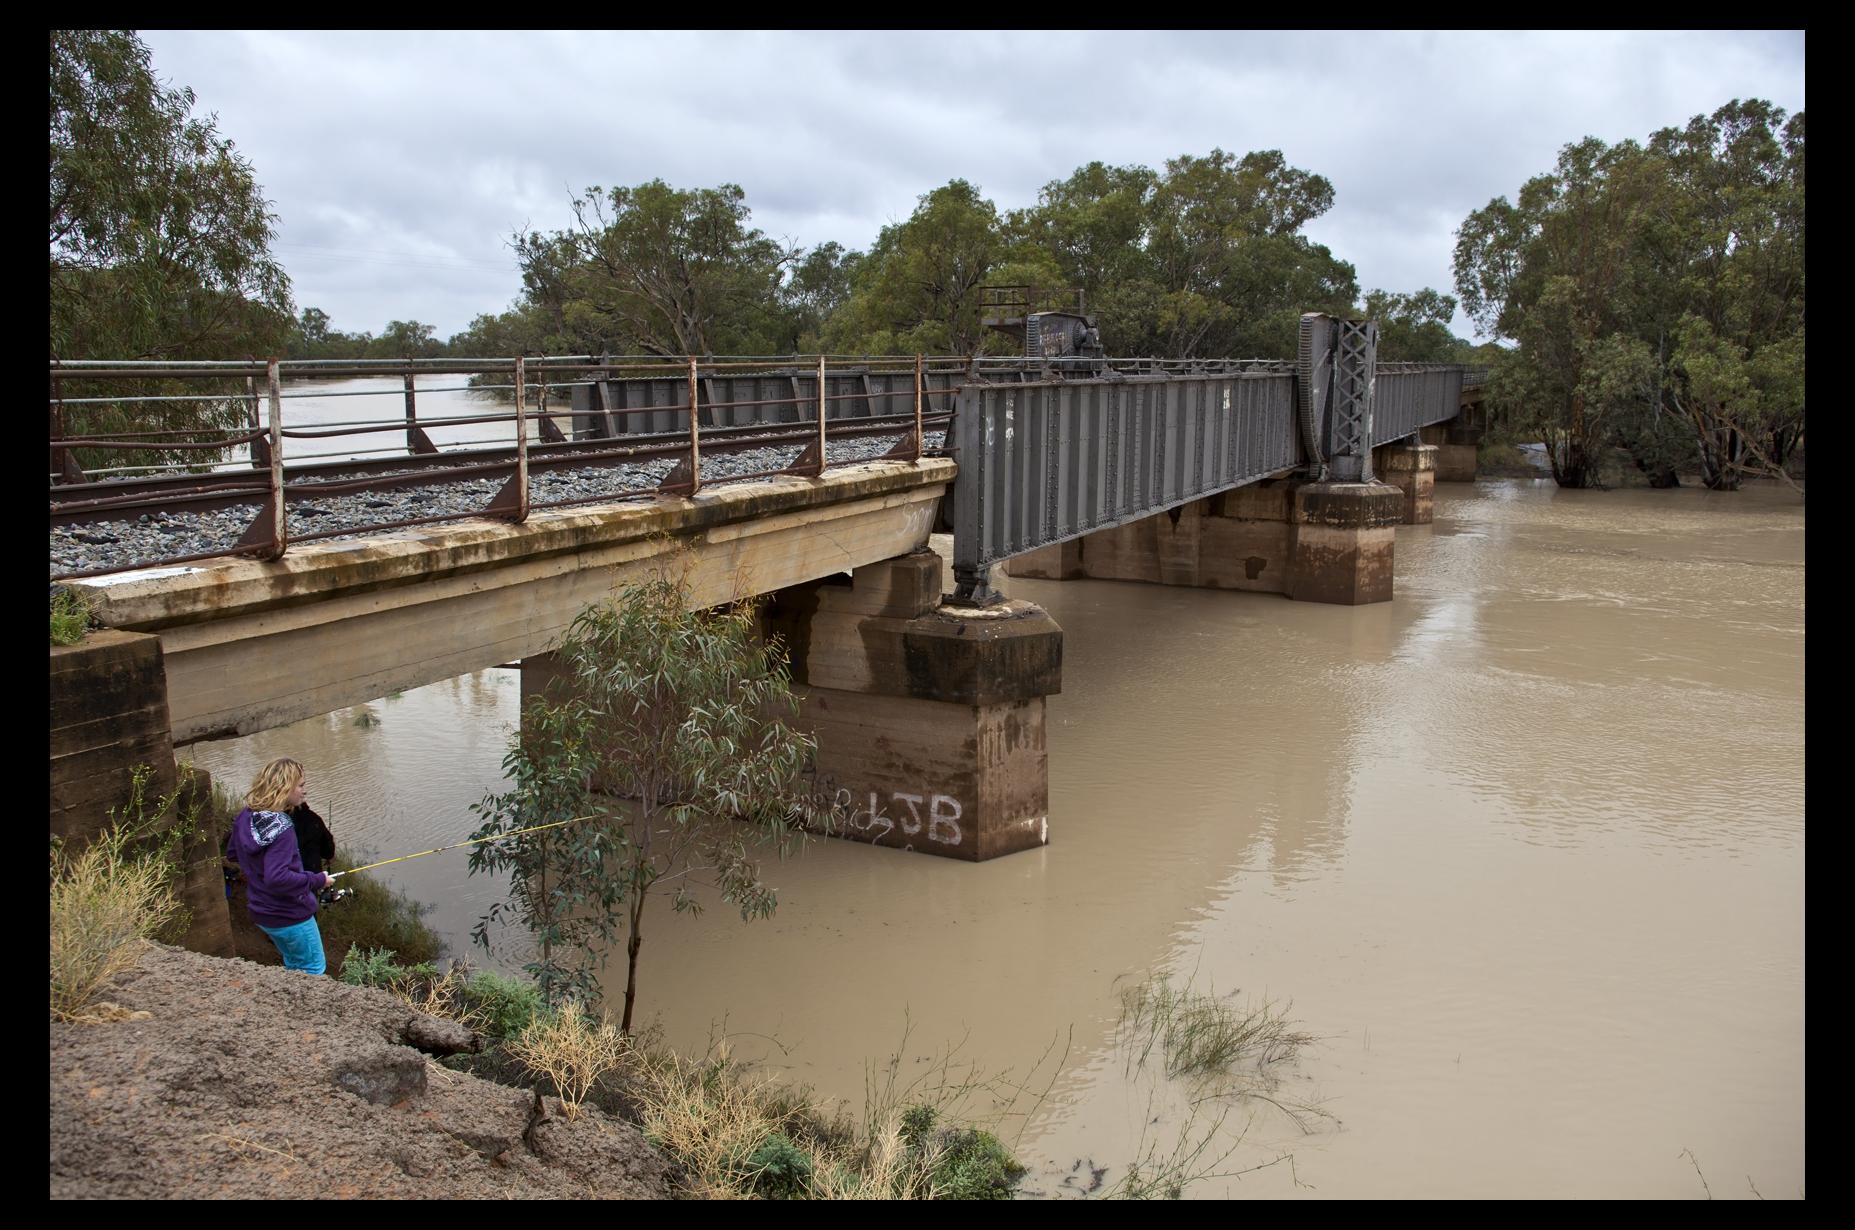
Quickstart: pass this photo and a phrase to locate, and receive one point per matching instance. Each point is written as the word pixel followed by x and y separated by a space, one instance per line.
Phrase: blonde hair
pixel 270 789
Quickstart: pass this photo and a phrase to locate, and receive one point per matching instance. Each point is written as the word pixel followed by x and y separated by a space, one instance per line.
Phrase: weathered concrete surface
pixel 1457 442
pixel 109 715
pixel 1344 534
pixel 250 645
pixel 929 718
pixel 1235 540
pixel 1411 468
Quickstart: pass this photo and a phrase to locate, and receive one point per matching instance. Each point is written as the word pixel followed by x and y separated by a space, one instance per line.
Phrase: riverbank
pixel 223 1078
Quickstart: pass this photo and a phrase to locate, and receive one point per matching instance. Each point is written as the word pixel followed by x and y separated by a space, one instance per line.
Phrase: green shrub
pixel 917 1124
pixel 779 1169
pixel 70 616
pixel 377 916
pixel 369 967
pixel 973 1165
pixel 504 1006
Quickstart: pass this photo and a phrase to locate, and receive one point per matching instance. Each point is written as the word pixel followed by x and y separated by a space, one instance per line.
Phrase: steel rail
pixel 80 504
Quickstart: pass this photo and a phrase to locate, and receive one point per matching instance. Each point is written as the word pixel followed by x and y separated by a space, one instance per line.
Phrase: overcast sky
pixel 400 164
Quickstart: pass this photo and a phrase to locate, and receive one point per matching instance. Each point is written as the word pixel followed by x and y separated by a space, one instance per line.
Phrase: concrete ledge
pixel 249 646
pixel 157 598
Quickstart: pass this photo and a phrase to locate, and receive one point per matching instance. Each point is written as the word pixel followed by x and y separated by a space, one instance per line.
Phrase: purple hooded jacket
pixel 278 892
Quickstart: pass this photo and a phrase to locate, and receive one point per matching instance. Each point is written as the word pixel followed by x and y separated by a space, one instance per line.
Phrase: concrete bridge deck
pixel 251 645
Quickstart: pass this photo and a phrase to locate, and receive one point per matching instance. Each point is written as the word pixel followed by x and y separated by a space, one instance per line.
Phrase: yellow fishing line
pixel 458 846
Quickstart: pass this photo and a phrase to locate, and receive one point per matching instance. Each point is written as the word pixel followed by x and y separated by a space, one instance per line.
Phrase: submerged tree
pixel 663 743
pixel 1656 298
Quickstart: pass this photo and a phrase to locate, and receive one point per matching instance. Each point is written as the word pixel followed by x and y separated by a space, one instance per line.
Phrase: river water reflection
pixel 1525 846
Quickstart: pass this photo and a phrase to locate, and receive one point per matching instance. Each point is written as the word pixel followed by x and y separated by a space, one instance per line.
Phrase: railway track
pixel 119 499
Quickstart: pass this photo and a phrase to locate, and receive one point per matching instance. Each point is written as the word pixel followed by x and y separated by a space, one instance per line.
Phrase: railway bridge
pixel 812 484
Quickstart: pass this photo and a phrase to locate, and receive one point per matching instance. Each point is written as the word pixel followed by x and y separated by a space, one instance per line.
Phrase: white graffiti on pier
pixel 875 820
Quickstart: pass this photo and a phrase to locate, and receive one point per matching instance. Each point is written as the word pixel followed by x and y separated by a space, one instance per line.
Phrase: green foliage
pixel 70 616
pixel 778 1169
pixel 1203 1035
pixel 505 1007
pixel 658 270
pixel 371 967
pixel 1415 328
pixel 1205 258
pixel 917 291
pixel 973 1165
pixel 664 747
pixel 159 240
pixel 1655 294
pixel 917 1122
pixel 377 916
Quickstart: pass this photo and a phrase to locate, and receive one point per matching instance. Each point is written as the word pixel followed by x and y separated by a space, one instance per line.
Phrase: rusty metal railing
pixel 191 468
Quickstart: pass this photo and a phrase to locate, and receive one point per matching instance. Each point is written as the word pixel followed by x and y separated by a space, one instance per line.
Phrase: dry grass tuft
pixel 572 1049
pixel 105 903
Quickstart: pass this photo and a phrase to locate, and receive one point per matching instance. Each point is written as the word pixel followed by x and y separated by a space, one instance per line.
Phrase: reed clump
pixel 1201 1035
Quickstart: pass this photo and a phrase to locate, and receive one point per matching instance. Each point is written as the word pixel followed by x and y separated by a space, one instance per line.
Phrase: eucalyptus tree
pixel 159 236
pixel 1655 297
pixel 917 289
pixel 664 756
pixel 1206 257
pixel 659 270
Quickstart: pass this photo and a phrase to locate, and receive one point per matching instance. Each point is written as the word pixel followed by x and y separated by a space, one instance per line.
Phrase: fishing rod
pixel 335 875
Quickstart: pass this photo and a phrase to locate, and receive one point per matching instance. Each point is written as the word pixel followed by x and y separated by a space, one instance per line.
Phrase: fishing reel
pixel 329 896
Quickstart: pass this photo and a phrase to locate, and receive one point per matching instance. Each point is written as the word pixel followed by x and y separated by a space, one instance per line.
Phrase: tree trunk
pixel 631 962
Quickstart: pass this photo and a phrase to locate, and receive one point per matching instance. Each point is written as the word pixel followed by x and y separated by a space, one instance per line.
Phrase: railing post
pixel 919 446
pixel 521 439
pixel 821 456
pixel 412 417
pixel 695 434
pixel 269 533
pixel 64 467
pixel 260 449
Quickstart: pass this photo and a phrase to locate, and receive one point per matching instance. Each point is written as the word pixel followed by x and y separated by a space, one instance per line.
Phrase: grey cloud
pixel 400 163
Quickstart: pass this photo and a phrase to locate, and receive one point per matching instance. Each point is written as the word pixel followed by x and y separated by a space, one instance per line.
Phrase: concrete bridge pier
pixel 1313 542
pixel 929 717
pixel 1411 468
pixel 1457 443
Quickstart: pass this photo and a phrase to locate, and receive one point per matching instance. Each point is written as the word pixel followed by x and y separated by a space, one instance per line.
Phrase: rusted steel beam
pixel 416 439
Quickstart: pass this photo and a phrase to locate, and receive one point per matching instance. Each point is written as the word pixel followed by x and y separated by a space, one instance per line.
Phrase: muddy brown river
pixel 1524 848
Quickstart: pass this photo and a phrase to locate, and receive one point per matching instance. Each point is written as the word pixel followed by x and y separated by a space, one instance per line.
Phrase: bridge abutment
pixel 929 717
pixel 109 720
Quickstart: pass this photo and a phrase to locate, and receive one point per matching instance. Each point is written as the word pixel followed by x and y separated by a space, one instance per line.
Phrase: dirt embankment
pixel 247 1081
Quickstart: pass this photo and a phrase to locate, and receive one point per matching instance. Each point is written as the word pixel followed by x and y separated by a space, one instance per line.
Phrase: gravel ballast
pixel 150 537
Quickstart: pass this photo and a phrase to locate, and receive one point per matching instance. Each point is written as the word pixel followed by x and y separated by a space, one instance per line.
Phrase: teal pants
pixel 300 944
